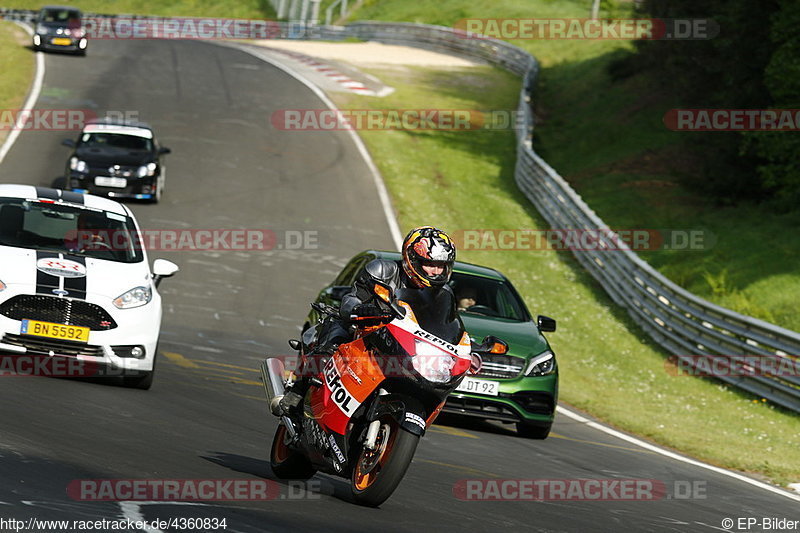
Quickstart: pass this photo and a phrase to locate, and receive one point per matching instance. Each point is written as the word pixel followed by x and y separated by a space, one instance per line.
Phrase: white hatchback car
pixel 74 283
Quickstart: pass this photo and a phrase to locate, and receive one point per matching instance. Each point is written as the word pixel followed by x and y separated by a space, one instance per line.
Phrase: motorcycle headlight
pixel 77 165
pixel 432 363
pixel 146 170
pixel 542 365
pixel 136 297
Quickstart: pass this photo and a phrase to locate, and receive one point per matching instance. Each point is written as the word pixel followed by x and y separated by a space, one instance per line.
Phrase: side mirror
pixel 163 269
pixel 492 345
pixel 69 143
pixel 545 323
pixel 164 150
pixel 384 292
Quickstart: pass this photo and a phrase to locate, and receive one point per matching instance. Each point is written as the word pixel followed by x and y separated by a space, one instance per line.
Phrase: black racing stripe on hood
pixel 45 283
pixel 46 193
pixel 76 286
pixel 72 197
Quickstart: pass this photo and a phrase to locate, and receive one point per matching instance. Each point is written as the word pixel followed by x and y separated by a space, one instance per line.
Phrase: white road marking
pixel 666 453
pixel 36 88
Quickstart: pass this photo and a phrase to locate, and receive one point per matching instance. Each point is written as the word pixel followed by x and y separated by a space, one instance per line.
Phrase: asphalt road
pixel 205 417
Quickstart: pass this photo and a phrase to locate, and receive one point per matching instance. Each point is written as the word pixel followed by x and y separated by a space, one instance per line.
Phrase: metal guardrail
pixel 689 327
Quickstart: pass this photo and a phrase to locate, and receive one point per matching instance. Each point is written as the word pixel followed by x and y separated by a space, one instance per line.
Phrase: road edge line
pixel 33 96
pixel 672 455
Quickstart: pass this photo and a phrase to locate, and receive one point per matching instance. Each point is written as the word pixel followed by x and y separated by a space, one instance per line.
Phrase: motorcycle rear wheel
pixel 377 473
pixel 286 462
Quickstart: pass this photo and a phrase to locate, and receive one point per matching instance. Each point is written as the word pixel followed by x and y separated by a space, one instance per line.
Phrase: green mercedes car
pixel 518 387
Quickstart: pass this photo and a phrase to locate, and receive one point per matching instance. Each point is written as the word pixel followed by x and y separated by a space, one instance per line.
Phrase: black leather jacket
pixel 390 273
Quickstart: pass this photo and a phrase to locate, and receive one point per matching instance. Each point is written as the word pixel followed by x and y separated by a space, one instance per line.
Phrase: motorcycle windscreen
pixel 435 311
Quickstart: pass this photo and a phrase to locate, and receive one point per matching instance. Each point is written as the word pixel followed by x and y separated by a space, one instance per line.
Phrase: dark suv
pixel 117 159
pixel 60 28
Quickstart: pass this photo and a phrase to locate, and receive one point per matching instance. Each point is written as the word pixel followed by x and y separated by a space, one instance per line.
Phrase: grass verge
pixel 17 65
pixel 461 180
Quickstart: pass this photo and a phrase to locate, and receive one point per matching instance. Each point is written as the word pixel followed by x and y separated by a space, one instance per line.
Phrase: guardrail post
pixel 329 12
pixel 315 11
pixel 304 11
pixel 283 4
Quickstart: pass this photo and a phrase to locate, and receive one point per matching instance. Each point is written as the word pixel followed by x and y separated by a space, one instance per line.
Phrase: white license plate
pixel 104 181
pixel 479 386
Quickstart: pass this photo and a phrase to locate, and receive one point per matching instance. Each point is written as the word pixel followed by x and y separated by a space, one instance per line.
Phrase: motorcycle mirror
pixel 383 292
pixel 476 364
pixel 493 345
pixel 499 348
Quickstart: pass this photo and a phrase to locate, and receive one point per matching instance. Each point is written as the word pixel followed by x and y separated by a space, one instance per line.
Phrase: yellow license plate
pixel 55 331
pixel 61 41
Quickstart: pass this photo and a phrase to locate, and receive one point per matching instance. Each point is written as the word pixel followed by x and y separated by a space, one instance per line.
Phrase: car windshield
pixel 477 295
pixel 60 15
pixel 434 312
pixel 116 140
pixel 70 229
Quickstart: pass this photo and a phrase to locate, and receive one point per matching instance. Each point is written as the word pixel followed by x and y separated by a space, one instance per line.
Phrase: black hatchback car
pixel 60 28
pixel 116 159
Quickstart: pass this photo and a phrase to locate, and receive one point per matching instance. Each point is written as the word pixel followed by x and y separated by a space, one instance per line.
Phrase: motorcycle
pixel 367 405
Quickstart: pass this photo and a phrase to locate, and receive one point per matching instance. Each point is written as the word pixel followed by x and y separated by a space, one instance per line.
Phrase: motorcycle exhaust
pixel 272 377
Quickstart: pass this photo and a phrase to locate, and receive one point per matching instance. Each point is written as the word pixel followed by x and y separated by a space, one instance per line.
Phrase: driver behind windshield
pixel 427 261
pixel 91 234
pixel 467 297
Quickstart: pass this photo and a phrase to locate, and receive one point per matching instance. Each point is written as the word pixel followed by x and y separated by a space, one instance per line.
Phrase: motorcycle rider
pixel 428 255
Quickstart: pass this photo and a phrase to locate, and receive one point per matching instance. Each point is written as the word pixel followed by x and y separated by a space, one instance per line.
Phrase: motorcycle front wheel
pixel 286 462
pixel 378 472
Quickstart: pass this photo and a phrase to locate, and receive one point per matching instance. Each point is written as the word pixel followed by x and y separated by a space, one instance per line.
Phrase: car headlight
pixel 542 365
pixel 136 297
pixel 77 165
pixel 146 170
pixel 432 363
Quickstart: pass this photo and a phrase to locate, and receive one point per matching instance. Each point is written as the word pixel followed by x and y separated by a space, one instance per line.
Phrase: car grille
pixel 42 346
pixel 463 405
pixel 121 172
pixel 58 310
pixel 501 366
pixel 534 402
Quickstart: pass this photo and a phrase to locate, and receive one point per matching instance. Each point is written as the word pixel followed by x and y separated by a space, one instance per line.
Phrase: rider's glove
pixel 364 310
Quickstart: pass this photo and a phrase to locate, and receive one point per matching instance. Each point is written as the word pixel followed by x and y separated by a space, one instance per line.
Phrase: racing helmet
pixel 428 246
